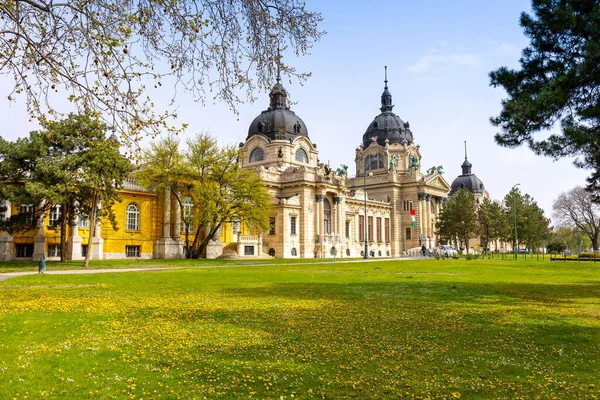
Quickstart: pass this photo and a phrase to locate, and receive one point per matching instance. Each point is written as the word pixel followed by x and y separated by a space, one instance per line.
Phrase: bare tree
pixel 103 55
pixel 577 209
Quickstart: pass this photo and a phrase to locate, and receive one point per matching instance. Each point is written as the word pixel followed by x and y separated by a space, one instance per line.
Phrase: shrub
pixel 455 256
pixel 469 257
pixel 437 256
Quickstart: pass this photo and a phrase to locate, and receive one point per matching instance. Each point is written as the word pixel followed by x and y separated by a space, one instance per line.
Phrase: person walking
pixel 423 250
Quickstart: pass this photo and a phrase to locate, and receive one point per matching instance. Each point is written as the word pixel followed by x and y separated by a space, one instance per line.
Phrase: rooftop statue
pixel 342 170
pixel 413 163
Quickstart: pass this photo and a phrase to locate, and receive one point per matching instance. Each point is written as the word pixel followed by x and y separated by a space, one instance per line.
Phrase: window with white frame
pixel 27 210
pixel 132 217
pixel 84 221
pixel 187 216
pixel 292 225
pixel 55 215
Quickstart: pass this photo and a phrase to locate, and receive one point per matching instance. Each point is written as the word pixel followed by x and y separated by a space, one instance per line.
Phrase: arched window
pixel 327 218
pixel 301 156
pixel 260 127
pixel 133 217
pixel 294 252
pixel 187 216
pixel 297 128
pixel 374 162
pixel 257 154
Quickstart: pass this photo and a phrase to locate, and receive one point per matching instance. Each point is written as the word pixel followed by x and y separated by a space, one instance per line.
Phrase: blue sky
pixel 439 55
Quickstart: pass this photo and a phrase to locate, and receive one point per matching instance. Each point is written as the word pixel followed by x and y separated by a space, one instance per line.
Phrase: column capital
pixel 338 200
pixel 319 198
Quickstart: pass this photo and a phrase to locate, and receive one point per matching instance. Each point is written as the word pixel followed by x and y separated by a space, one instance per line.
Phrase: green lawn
pixel 393 329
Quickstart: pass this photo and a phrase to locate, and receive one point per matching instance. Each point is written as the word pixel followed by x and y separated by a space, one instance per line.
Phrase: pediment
pixel 437 181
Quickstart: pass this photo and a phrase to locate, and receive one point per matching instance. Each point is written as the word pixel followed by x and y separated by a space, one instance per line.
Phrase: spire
pixel 278 94
pixel 386 97
pixel 466 165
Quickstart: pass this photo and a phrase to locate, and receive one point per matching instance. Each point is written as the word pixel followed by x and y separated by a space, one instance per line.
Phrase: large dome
pixel 387 125
pixel 467 180
pixel 278 121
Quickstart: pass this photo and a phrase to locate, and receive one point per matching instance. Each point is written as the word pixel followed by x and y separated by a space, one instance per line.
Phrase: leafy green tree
pixel 106 55
pixel 577 209
pixel 54 168
pixel 532 224
pixel 221 191
pixel 558 83
pixel 164 168
pixel 458 219
pixel 493 223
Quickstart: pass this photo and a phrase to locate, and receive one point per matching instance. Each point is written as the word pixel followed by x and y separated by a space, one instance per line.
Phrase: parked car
pixel 446 250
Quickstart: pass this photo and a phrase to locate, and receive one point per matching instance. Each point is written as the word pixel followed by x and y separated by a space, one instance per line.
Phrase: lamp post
pixel 515 249
pixel 366 256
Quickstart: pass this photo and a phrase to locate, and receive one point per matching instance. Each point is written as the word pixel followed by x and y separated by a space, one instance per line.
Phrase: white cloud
pixel 437 62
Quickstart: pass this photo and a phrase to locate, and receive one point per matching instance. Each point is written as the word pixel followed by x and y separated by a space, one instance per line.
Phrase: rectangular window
pixel 408 233
pixel 53 250
pixel 408 205
pixel 370 228
pixel 24 250
pixel 379 229
pixel 361 228
pixel 55 216
pixel 248 250
pixel 292 225
pixel 84 250
pixel 27 209
pixel 84 221
pixel 347 229
pixel 432 206
pixel 132 251
pixel 187 216
pixel 271 225
pixel 387 230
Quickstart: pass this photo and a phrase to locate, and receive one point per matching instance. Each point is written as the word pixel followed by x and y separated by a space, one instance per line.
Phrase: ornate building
pixel 388 208
pixel 319 212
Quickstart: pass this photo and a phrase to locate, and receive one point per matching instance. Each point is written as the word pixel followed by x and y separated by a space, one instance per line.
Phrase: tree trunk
pixel 92 232
pixel 595 242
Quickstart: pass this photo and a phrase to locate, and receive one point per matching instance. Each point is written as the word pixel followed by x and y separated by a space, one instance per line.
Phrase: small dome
pixel 278 121
pixel 467 180
pixel 387 125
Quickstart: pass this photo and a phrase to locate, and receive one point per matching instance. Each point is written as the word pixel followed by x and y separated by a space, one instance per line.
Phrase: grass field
pixel 392 329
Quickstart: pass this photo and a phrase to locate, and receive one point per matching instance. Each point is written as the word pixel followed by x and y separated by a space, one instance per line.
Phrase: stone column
pixel 97 245
pixel 167 214
pixel 74 245
pixel 6 240
pixel 177 223
pixel 338 201
pixel 320 217
pixel 421 211
pixel 428 215
pixel 39 241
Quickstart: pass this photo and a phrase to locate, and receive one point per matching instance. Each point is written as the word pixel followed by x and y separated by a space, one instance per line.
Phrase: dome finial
pixel 385 78
pixel 465 149
pixel 386 97
pixel 278 63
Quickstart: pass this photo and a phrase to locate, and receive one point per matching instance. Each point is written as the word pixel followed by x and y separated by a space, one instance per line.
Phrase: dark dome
pixel 278 121
pixel 387 125
pixel 467 180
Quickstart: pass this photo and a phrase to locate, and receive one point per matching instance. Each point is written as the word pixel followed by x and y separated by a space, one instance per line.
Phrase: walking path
pixel 8 275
